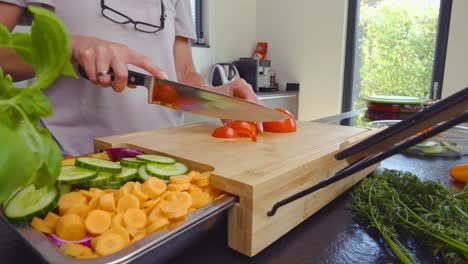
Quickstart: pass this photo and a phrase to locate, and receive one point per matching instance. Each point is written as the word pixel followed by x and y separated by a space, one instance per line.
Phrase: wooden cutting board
pixel 260 174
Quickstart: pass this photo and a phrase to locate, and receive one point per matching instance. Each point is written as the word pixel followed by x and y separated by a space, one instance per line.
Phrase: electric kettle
pixel 222 73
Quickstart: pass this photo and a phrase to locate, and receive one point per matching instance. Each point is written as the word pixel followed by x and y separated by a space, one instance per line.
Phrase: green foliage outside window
pixel 396 45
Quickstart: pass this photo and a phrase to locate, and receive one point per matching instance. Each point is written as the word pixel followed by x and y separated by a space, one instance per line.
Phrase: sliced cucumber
pixel 156 159
pixel 131 162
pixel 164 171
pixel 98 165
pixel 73 175
pixel 143 175
pixel 29 202
pixel 102 178
pixel 63 189
pixel 126 174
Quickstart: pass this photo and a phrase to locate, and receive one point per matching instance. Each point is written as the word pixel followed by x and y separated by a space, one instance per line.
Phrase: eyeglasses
pixel 119 18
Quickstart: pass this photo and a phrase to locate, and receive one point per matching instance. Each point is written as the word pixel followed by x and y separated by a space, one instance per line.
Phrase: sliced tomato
pixel 245 125
pixel 165 93
pixel 287 125
pixel 225 132
pixel 244 132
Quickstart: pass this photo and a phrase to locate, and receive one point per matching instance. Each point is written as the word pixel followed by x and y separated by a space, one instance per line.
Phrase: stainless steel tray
pixel 157 247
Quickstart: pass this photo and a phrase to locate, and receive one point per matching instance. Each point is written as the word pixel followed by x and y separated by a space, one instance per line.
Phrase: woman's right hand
pixel 97 55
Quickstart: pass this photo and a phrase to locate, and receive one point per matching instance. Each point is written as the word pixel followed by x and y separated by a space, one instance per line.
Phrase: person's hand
pixel 241 89
pixel 97 56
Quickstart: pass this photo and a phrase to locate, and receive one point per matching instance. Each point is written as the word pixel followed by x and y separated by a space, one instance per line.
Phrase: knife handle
pixel 134 78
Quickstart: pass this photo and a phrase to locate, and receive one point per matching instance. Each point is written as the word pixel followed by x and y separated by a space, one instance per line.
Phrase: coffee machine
pixel 257 73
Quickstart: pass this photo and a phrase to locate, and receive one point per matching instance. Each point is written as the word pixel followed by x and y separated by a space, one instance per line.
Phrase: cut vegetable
pixel 178 187
pixel 98 165
pixel 200 199
pixel 73 175
pixel 126 174
pixel 107 202
pixel 131 162
pixel 135 218
pixel 41 226
pixel 127 201
pixel 202 179
pixel 29 202
pixel 109 243
pixel 51 219
pixel 75 250
pixel 81 210
pixel 154 187
pixel 116 154
pixel 164 171
pixel 180 179
pixel 70 227
pixel 70 200
pixel 101 179
pixel 156 159
pixel 136 190
pixel 97 222
pixel 173 210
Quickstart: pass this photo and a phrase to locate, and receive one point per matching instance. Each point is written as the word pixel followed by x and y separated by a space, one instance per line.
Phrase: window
pixel 395 47
pixel 198 12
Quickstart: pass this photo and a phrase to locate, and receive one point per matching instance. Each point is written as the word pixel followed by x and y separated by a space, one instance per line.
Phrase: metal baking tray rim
pixel 50 253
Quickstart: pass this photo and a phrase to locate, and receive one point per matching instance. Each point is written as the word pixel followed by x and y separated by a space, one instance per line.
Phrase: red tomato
pixel 165 93
pixel 287 125
pixel 246 125
pixel 244 132
pixel 225 132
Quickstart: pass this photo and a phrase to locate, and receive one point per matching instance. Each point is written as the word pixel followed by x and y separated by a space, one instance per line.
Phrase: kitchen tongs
pixel 394 139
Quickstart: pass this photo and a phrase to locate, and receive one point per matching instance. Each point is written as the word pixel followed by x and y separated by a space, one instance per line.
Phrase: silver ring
pixel 103 73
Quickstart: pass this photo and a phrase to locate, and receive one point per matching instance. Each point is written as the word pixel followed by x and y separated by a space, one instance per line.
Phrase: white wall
pixel 456 69
pixel 306 41
pixel 231 33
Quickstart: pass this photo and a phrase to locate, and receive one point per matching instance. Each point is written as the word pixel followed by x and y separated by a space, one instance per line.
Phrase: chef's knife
pixel 198 101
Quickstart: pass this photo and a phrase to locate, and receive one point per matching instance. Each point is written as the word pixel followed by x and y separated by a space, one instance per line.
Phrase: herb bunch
pixel 396 202
pixel 28 154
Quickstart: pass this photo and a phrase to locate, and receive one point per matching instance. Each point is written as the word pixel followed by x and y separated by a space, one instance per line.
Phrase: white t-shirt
pixel 84 111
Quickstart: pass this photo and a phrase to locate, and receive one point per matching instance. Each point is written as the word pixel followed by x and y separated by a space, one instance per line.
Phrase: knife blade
pixel 198 101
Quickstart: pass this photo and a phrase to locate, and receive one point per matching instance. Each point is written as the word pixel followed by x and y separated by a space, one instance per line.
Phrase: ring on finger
pixel 103 73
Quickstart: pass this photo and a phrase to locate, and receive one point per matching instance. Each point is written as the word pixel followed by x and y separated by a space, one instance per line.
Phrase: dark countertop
pixel 329 236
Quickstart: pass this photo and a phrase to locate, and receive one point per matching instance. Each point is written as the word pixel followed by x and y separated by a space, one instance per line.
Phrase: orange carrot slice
pixel 158 225
pixel 75 250
pixel 89 195
pixel 194 188
pixel 199 199
pixel 70 200
pixel 107 202
pixel 135 218
pixel 98 221
pixel 82 210
pixel 183 198
pixel 117 220
pixel 70 227
pixel 41 226
pixel 136 190
pixel 96 192
pixel 202 179
pixel 178 187
pixel 109 243
pixel 122 232
pixel 174 224
pixel 173 210
pixel 180 179
pixel 51 219
pixel 127 201
pixel 153 187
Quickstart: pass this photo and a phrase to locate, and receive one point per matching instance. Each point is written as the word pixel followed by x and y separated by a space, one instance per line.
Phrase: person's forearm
pixel 195 79
pixel 11 64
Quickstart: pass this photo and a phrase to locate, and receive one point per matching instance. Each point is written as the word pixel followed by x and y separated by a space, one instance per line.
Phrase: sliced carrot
pixel 94 203
pixel 41 226
pixel 178 187
pixel 136 190
pixel 183 198
pixel 173 210
pixel 137 238
pixel 194 188
pixel 192 174
pixel 96 192
pixel 148 206
pixel 213 192
pixel 200 199
pixel 191 209
pixel 70 227
pixel 94 242
pixel 134 232
pixel 107 202
pixel 158 225
pixel 92 256
pixel 89 195
pixel 82 210
pixel 127 187
pixel 135 217
pixel 98 221
pixel 127 201
pixel 153 187
pixel 180 179
pixel 122 232
pixel 109 243
pixel 202 179
pixel 155 215
pixel 117 220
pixel 70 200
pixel 75 250
pixel 51 219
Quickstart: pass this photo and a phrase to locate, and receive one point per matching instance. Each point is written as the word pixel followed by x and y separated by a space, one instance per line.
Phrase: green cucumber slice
pixel 110 185
pixel 131 162
pixel 74 175
pixel 126 174
pixel 29 202
pixel 143 175
pixel 156 159
pixel 102 178
pixel 98 165
pixel 164 171
pixel 63 189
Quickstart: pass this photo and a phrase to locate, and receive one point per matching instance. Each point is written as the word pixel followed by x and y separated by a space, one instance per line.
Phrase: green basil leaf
pixel 22 43
pixel 35 104
pixel 4 35
pixel 6 86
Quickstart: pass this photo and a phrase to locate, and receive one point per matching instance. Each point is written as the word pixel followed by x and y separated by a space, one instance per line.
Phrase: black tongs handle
pixel 455 105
